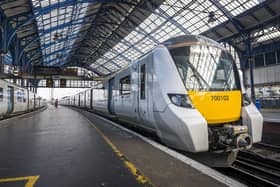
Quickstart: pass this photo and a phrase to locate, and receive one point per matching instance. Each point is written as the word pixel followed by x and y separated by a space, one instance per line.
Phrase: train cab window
pixel 125 85
pixel 1 94
pixel 142 81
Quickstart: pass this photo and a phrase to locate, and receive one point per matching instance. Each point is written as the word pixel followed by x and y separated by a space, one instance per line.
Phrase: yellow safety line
pixel 31 180
pixel 132 168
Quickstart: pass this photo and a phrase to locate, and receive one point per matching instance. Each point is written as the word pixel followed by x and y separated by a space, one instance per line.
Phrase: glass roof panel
pixel 55 27
pixel 191 16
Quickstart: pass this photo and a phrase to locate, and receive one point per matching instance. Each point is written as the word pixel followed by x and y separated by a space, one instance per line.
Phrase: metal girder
pixel 235 22
pixel 173 21
pixel 162 24
pixel 47 9
pixel 266 23
pixel 126 16
pixel 107 61
pixel 118 54
pixel 26 46
pixel 115 52
pixel 266 48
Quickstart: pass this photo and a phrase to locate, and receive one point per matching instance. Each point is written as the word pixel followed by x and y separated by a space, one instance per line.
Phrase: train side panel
pixel 20 99
pixel 88 98
pixel 3 98
pixel 31 101
pixel 100 98
pixel 125 95
pixel 182 128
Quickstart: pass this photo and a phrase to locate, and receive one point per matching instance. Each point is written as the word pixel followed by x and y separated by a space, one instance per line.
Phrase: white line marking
pixel 271 120
pixel 200 167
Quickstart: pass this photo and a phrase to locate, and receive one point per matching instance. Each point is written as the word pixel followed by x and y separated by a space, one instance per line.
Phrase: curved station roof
pixel 106 35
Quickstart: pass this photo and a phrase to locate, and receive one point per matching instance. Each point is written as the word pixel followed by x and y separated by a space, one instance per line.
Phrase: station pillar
pixel 2 60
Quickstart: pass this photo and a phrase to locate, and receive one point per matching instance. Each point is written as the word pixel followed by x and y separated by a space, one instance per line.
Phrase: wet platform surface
pixel 62 149
pixel 73 148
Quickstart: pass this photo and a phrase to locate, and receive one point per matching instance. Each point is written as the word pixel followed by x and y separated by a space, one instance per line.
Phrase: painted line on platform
pixel 197 165
pixel 274 120
pixel 31 180
pixel 142 179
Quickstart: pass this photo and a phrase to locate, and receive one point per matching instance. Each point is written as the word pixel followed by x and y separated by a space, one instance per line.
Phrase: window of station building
pixel 142 82
pixel 270 58
pixel 259 60
pixel 1 94
pixel 125 85
pixel 278 56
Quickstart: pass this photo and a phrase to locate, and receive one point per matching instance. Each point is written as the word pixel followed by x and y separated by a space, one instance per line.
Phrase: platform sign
pixel 62 83
pixel 49 83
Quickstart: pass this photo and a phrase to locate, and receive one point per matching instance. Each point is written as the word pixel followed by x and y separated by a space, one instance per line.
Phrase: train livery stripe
pixel 217 106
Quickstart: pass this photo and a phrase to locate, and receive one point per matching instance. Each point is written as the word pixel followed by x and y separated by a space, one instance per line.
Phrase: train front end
pixel 214 88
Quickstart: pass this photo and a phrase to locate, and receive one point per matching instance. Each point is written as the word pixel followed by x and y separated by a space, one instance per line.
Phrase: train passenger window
pixel 142 81
pixel 19 97
pixel 1 95
pixel 125 85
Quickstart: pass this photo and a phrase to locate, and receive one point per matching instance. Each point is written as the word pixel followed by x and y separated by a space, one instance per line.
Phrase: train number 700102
pixel 219 97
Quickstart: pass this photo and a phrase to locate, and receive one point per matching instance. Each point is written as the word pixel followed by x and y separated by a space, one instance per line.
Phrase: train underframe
pixel 224 143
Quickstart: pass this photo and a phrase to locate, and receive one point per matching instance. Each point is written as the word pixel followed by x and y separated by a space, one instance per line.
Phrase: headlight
pixel 181 100
pixel 246 100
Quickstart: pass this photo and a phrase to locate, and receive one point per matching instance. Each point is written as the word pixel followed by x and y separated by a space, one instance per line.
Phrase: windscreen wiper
pixel 197 75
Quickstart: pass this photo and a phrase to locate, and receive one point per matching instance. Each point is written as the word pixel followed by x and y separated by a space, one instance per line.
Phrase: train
pixel 188 91
pixel 16 100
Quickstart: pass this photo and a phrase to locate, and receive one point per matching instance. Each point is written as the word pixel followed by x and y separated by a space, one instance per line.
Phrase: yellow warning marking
pixel 31 180
pixel 131 167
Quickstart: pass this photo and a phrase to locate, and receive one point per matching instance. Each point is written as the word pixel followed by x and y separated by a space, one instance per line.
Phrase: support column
pixel 3 42
pixel 2 62
pixel 251 63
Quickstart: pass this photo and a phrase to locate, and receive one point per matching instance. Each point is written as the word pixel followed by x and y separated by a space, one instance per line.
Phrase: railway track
pixel 274 148
pixel 257 167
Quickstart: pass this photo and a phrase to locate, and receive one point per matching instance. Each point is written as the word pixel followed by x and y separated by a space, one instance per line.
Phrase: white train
pixel 14 99
pixel 188 91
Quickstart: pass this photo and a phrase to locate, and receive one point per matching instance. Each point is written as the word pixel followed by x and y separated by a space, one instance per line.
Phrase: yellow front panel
pixel 217 107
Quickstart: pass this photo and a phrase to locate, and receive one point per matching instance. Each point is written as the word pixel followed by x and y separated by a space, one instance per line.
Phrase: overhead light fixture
pixel 211 17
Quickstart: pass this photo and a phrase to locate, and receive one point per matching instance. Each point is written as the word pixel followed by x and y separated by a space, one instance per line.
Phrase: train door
pixel 28 106
pixel 79 101
pixel 34 99
pixel 91 95
pixel 111 108
pixel 10 97
pixel 85 100
pixel 142 96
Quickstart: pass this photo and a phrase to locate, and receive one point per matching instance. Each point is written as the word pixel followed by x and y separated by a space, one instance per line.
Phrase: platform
pixel 61 147
pixel 271 126
pixel 271 115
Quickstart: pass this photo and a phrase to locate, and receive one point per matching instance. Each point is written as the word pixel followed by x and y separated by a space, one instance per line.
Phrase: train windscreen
pixel 206 68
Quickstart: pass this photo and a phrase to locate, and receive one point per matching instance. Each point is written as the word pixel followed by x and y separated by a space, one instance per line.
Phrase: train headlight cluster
pixel 181 100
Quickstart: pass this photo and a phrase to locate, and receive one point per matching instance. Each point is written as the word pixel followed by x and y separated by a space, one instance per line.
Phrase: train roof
pixel 190 39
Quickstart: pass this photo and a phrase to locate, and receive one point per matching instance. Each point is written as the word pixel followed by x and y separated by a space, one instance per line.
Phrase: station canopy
pixel 105 36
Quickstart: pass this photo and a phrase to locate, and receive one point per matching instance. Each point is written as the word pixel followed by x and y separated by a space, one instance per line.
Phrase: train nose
pixel 244 140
